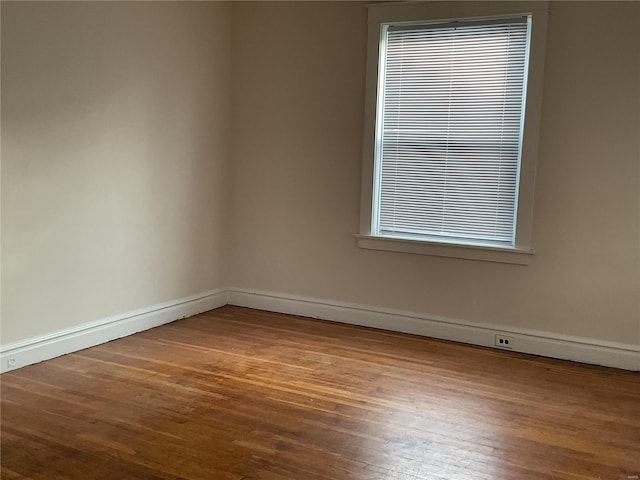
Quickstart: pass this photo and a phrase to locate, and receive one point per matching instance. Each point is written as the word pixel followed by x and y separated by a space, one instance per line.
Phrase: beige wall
pixel 115 141
pixel 138 167
pixel 298 74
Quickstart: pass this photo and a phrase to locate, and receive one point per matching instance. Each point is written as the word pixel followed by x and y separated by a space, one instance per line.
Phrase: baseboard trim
pixel 565 347
pixel 33 350
pixel 578 349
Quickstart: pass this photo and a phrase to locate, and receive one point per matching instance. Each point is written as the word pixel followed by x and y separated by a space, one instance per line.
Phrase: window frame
pixel 412 13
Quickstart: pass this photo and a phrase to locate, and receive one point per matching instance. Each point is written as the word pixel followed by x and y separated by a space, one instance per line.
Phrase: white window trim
pixel 411 12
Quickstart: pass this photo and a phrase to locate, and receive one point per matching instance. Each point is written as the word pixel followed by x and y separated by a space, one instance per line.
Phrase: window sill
pixel 516 256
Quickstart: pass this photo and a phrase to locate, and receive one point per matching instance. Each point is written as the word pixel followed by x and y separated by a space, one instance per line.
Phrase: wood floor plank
pixel 242 394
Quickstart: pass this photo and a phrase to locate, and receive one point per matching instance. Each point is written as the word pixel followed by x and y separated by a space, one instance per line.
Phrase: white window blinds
pixel 450 113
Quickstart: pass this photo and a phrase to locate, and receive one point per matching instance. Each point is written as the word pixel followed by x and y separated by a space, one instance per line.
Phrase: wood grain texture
pixel 242 394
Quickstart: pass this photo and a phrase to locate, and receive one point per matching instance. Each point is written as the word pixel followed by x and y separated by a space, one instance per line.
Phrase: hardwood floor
pixel 243 394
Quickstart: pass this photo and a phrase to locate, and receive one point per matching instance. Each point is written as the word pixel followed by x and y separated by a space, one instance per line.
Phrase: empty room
pixel 299 240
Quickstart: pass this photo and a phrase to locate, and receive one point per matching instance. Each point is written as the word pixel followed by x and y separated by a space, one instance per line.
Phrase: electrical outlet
pixel 504 341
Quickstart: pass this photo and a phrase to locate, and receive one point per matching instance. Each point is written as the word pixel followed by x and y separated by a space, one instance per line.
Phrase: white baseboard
pixel 546 344
pixel 579 349
pixel 34 350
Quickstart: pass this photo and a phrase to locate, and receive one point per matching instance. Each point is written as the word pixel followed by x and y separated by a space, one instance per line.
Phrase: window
pixel 454 137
